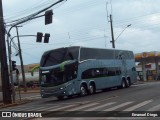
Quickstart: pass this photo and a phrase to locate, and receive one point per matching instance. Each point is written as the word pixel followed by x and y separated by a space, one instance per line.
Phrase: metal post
pixel 21 60
pixel 10 71
pixel 3 59
pixel 113 41
pixel 144 70
pixel 157 67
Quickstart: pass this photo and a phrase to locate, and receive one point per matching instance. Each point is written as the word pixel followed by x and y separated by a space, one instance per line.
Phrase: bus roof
pixel 80 53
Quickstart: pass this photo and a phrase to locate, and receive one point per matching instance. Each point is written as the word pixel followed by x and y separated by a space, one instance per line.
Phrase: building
pixel 148 65
pixel 28 76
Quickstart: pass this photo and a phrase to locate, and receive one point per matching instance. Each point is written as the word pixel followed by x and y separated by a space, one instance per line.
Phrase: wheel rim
pixel 83 90
pixel 123 84
pixel 127 82
pixel 91 89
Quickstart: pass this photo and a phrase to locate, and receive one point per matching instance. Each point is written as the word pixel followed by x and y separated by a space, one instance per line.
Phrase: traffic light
pixel 14 65
pixel 48 17
pixel 46 37
pixel 39 37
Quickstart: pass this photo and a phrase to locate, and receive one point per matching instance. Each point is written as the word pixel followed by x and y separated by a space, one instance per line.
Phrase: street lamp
pixel 123 31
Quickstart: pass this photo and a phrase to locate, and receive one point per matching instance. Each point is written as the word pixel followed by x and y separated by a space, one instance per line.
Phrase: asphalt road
pixel 138 100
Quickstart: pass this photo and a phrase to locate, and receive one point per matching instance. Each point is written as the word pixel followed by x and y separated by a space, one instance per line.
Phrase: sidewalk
pixel 34 91
pixel 23 99
pixel 29 91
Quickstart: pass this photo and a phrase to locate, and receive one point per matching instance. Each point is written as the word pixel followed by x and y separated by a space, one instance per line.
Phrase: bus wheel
pixel 83 90
pixel 123 84
pixel 127 83
pixel 60 97
pixel 91 89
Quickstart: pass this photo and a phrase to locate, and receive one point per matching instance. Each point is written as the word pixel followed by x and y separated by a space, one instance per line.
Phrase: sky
pixel 85 23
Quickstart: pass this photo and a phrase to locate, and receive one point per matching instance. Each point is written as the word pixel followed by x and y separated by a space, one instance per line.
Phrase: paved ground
pixel 139 98
pixel 33 94
pixel 23 97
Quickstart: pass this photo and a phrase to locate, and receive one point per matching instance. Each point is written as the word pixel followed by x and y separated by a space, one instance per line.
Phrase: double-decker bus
pixel 80 70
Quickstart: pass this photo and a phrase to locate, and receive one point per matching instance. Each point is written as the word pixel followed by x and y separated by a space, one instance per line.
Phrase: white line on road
pixel 118 106
pixel 138 105
pixel 83 106
pixel 61 108
pixel 155 108
pixel 100 106
pixel 44 108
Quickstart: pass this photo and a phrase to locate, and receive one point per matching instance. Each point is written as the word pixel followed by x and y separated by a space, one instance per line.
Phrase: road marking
pixel 155 108
pixel 105 99
pixel 138 105
pixel 82 106
pixel 23 109
pixel 118 106
pixel 44 108
pixel 60 108
pixel 100 106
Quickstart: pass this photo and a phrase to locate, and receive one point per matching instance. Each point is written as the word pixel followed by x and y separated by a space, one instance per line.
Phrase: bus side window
pixel 111 71
pixel 86 74
pixel 118 72
pixel 133 69
pixel 105 72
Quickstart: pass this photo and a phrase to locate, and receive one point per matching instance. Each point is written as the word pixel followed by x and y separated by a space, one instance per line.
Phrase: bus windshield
pixel 53 78
pixel 57 56
pixel 57 76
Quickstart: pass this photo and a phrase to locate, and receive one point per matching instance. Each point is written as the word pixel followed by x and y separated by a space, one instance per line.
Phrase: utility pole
pixel 10 71
pixel 112 34
pixel 3 59
pixel 21 60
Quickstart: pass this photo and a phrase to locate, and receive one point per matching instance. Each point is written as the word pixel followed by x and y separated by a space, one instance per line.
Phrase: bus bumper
pixel 49 93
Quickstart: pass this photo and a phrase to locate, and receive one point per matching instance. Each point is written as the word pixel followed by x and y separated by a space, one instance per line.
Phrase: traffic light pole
pixel 21 60
pixel 3 59
pixel 10 66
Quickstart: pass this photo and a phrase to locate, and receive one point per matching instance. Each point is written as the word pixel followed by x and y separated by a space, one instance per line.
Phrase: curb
pixel 16 103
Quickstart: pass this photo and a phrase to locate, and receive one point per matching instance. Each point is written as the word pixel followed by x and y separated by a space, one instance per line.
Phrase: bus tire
pixel 92 89
pixel 60 97
pixel 127 83
pixel 123 84
pixel 83 90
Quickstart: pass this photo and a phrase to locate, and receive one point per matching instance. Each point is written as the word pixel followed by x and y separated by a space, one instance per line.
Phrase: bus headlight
pixel 61 88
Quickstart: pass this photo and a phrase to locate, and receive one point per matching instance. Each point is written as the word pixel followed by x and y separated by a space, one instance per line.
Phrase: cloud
pixel 139 40
pixel 86 22
pixel 97 33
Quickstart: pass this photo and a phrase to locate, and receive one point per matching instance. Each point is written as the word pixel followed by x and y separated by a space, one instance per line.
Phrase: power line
pixel 29 17
pixel 32 8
